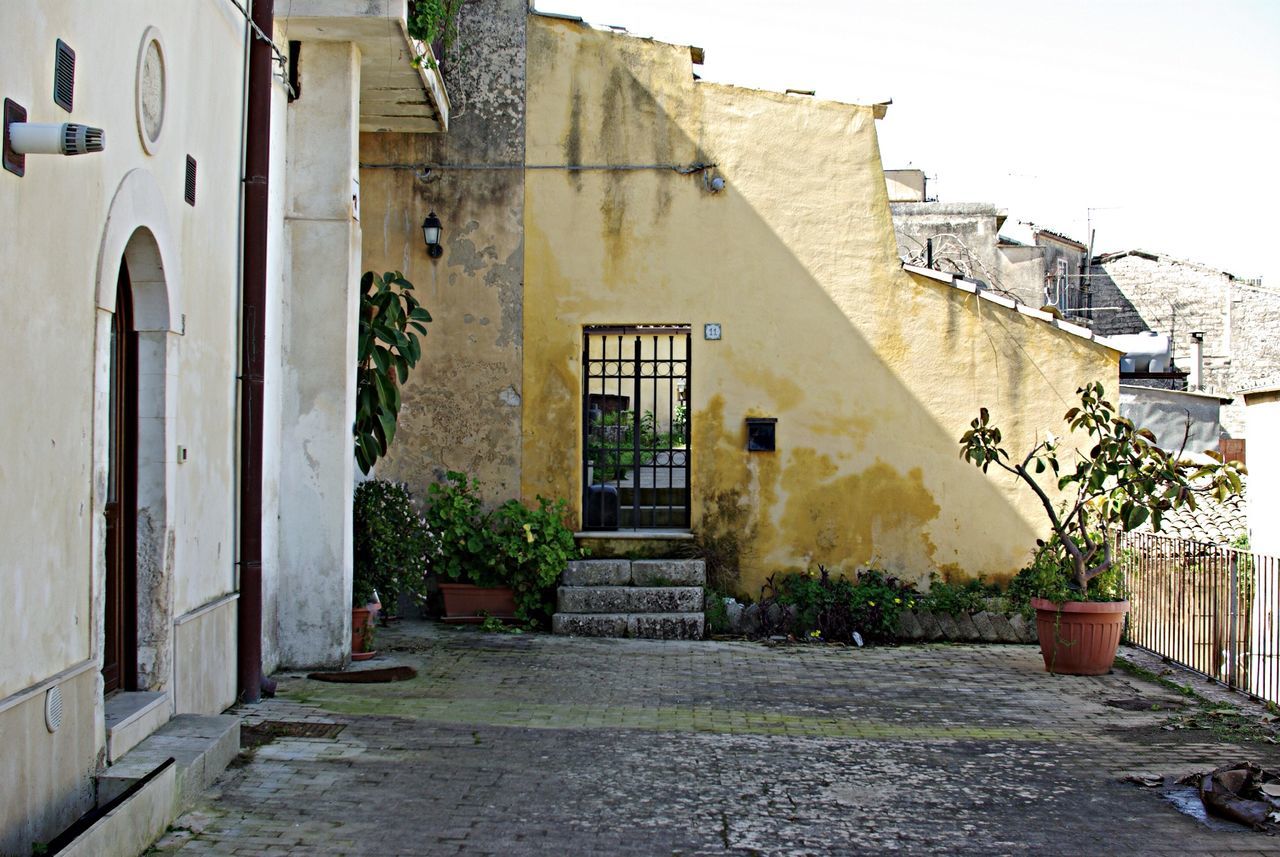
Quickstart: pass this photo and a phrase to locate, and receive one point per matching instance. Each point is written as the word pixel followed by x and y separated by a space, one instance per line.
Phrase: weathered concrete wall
pixel 70 222
pixel 1174 416
pixel 966 241
pixel 318 354
pixel 872 373
pixel 1171 296
pixel 964 236
pixel 462 404
pixel 1263 412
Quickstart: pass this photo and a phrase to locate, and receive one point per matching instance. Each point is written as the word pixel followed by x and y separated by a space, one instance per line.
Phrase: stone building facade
pixel 1134 291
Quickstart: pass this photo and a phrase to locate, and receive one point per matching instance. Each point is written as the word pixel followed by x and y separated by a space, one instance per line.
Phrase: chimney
pixel 1196 381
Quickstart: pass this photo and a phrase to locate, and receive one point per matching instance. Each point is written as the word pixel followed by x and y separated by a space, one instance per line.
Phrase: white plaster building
pixel 122 321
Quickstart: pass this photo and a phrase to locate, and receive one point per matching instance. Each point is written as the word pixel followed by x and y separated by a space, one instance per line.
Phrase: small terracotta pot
pixel 471 604
pixel 1079 637
pixel 361 620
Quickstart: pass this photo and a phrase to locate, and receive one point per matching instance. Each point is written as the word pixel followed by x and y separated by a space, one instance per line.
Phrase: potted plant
pixel 1123 481
pixel 391 544
pixel 472 581
pixel 501 564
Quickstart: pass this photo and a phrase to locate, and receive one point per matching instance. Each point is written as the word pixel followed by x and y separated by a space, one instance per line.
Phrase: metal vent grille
pixel 53 708
pixel 64 76
pixel 191 181
pixel 82 139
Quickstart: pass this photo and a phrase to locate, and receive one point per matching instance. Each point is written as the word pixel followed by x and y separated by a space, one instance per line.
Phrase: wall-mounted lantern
pixel 762 435
pixel 431 231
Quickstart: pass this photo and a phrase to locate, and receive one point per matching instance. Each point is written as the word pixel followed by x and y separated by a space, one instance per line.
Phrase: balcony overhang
pixel 394 95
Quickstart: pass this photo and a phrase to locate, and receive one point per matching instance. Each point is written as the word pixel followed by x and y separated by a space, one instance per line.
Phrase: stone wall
pixel 1151 292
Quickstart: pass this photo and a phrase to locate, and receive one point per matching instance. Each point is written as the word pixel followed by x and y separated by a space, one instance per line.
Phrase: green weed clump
pixel 835 606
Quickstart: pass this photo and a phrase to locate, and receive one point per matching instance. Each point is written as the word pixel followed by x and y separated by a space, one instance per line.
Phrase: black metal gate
pixel 636 427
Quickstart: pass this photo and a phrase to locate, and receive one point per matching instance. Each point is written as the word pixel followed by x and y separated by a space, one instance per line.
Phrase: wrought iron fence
pixel 1210 608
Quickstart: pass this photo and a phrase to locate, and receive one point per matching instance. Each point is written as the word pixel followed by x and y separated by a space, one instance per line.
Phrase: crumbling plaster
pixel 462 404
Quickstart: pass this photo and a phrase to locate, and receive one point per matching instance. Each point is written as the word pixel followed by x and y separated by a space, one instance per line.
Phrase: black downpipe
pixel 257 162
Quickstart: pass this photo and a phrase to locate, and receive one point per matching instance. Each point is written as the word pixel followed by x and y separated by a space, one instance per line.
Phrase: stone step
pixel 650 626
pixel 640 572
pixel 629 599
pixel 201 745
pixel 669 572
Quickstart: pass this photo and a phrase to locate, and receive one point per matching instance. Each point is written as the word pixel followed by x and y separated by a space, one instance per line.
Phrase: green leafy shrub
pixel 513 545
pixel 392 543
pixel 835 606
pixel 466 549
pixel 436 23
pixel 969 597
pixel 533 547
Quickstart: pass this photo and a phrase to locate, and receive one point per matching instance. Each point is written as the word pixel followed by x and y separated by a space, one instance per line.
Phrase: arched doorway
pixel 133 417
pixel 120 652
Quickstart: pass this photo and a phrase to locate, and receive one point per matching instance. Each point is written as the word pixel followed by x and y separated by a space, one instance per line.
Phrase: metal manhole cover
pixel 257 734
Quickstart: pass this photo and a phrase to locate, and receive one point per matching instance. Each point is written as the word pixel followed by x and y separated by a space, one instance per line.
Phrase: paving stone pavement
pixel 533 744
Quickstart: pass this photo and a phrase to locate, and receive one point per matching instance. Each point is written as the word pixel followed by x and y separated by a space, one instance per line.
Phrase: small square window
pixel 761 434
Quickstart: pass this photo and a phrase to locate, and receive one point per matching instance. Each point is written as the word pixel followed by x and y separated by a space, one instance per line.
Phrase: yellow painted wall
pixel 872 373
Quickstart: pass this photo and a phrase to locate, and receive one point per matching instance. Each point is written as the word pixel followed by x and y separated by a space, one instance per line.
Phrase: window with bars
pixel 636 431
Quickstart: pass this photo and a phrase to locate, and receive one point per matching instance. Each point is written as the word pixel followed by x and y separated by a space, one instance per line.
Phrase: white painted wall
pixel 1262 412
pixel 1166 413
pixel 67 223
pixel 318 358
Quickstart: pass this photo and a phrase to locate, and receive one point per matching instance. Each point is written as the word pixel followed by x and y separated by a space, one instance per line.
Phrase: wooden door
pixel 119 666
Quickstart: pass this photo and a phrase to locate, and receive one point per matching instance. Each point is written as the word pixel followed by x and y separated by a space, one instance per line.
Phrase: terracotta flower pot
pixel 361 620
pixel 471 604
pixel 1079 637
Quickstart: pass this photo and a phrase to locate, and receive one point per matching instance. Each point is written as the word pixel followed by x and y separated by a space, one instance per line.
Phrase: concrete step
pixel 651 626
pixel 130 717
pixel 640 572
pixel 629 599
pixel 201 745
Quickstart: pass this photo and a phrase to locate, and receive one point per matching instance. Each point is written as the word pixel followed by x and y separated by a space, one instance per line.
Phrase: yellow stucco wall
pixel 872 373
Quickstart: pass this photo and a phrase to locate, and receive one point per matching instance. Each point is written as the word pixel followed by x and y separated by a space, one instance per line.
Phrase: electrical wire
pixel 281 59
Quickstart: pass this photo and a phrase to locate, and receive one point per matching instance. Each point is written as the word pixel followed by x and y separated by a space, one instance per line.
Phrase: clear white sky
pixel 1162 115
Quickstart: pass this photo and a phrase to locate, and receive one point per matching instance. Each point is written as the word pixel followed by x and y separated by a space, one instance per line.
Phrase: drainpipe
pixel 249 678
pixel 1196 381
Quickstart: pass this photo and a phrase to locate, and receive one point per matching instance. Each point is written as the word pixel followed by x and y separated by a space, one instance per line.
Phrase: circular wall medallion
pixel 150 101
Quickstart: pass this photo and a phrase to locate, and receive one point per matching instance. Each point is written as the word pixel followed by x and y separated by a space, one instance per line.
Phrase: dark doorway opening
pixel 119 663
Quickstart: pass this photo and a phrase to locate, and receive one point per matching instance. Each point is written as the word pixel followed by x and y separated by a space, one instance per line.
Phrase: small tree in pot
pixel 1123 481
